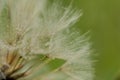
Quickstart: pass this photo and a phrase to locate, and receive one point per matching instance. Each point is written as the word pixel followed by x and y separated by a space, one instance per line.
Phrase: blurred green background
pixel 102 17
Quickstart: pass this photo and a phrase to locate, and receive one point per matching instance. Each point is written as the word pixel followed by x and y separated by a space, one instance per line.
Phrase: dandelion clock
pixel 38 42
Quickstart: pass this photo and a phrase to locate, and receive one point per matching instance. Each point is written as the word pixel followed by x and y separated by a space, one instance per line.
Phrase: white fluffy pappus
pixel 36 27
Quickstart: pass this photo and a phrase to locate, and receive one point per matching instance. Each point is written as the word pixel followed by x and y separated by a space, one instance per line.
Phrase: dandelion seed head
pixel 33 27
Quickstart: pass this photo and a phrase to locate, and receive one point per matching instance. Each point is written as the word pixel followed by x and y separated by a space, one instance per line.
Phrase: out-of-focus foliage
pixel 102 17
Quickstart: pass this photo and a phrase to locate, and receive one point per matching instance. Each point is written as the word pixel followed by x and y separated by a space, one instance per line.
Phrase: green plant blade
pixel 49 67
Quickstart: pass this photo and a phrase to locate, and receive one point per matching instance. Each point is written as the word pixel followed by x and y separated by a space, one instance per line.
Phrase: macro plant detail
pixel 38 42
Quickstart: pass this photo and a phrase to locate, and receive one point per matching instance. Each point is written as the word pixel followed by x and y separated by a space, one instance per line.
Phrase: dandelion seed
pixel 36 42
